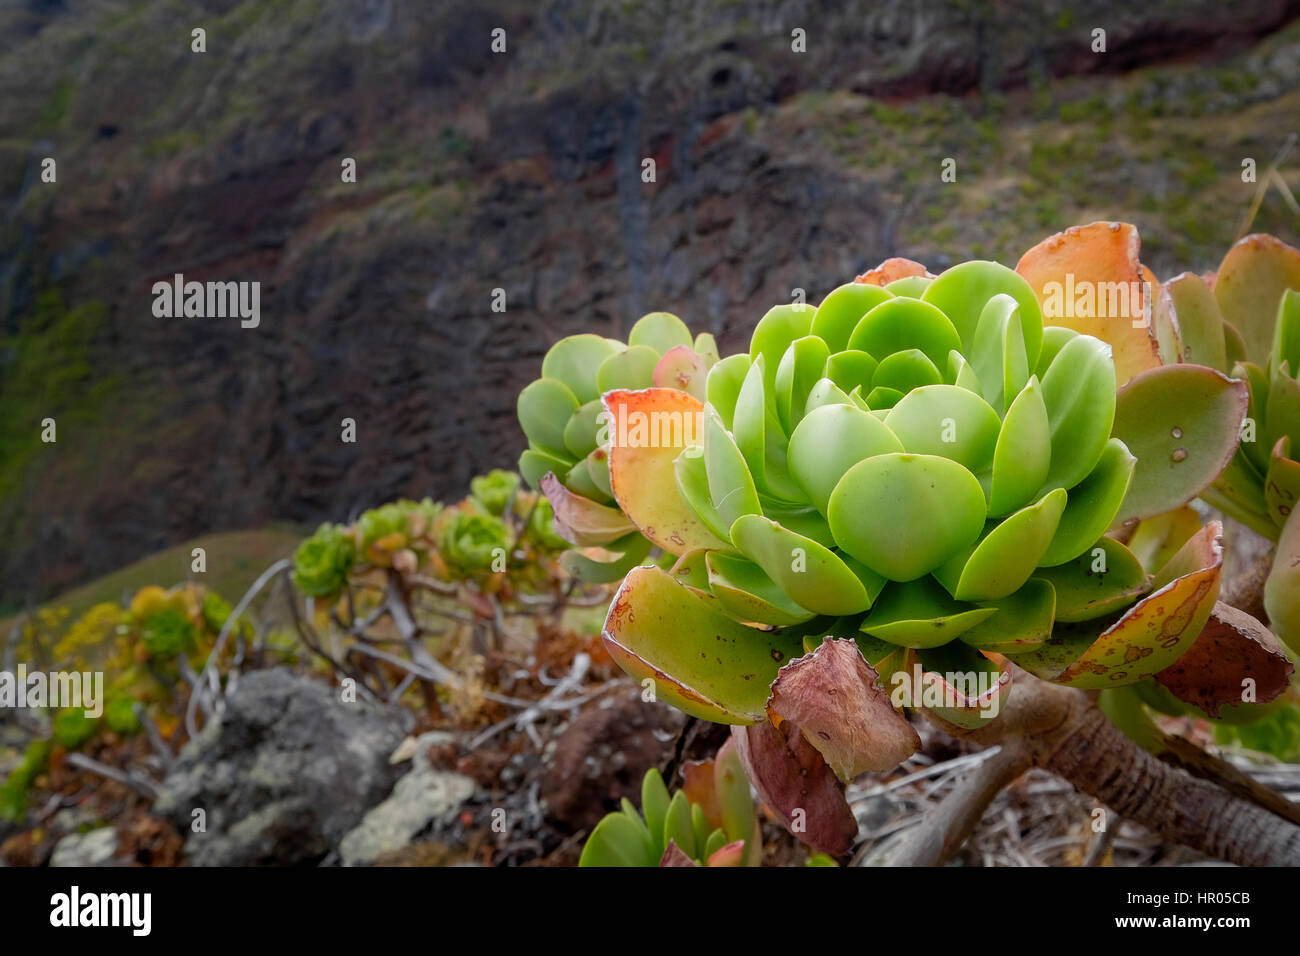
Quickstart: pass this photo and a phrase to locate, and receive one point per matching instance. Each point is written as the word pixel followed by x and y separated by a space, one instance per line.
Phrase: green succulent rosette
pixel 382 532
pixel 563 419
pixel 1245 320
pixel 321 564
pixel 167 632
pixel 472 540
pixel 494 489
pixel 923 468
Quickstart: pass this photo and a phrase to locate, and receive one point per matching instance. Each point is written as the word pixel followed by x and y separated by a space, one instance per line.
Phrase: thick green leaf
pixel 880 399
pixel 1249 286
pixel 1079 392
pixel 947 421
pixel 800 369
pixel 899 324
pixel 1022 455
pixel 701 828
pixel 580 432
pixel 701 661
pixel 1023 620
pixel 1190 301
pixel 632 368
pixel 906 370
pixel 921 614
pixel 748 594
pixel 912 286
pixel 544 408
pixel 905 515
pixel 1103 579
pixel 706 347
pixel 654 801
pixel 660 331
pixel 723 385
pixel 1282 589
pixel 1286 338
pixel 851 368
pixel 998 357
pixel 617 841
pixel 1283 407
pixel 758 435
pixel 1183 423
pixel 840 312
pixel 1008 554
pixel 692 475
pixel 575 360
pixel 962 291
pixel 1156 540
pixel 1054 339
pixel 811 575
pixel 831 440
pixel 825 392
pixel 677 825
pixel 631 551
pixel 780 326
pixel 1282 485
pixel 731 487
pixel 1093 505
pixel 579 480
pixel 534 464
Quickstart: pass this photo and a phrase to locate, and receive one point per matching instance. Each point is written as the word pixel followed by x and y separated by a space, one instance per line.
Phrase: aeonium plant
pixel 1245 320
pixel 893 496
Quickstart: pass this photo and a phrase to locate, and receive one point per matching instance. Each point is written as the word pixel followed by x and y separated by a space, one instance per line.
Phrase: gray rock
pixel 286 771
pixel 423 798
pixel 95 848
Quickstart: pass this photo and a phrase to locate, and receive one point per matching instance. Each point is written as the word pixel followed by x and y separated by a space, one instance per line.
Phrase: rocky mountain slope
pixel 522 171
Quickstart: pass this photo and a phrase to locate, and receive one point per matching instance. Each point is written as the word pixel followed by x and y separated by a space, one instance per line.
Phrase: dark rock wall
pixel 476 171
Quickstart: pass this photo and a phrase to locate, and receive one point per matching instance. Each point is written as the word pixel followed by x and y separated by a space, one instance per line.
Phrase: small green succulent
pixel 321 564
pixel 120 716
pixel 494 489
pixel 472 541
pixel 72 727
pixel 13 792
pixel 167 633
pixel 724 833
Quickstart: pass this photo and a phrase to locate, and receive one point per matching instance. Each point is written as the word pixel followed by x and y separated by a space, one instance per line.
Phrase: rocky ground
pixel 521 171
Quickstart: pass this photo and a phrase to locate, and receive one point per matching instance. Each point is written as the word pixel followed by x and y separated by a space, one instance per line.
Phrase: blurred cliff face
pixel 522 170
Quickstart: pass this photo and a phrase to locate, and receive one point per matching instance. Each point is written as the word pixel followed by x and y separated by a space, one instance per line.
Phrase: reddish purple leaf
pixel 831 694
pixel 798 786
pixel 1233 646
